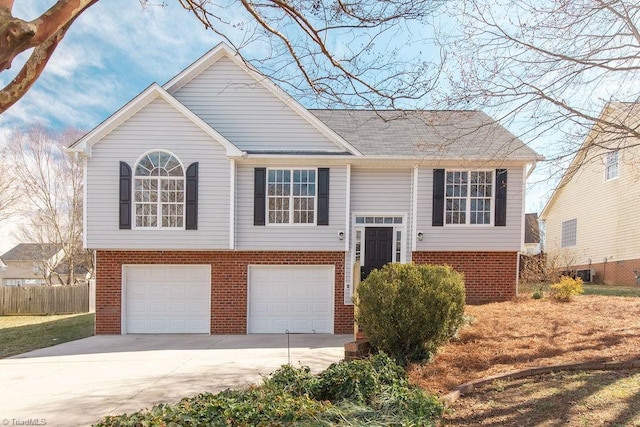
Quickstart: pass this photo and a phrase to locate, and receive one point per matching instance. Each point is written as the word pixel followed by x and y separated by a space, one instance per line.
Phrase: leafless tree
pixel 50 187
pixel 565 67
pixel 8 194
pixel 353 53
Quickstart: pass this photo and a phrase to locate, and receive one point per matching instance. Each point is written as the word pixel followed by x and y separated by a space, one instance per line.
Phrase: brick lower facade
pixel 489 276
pixel 619 273
pixel 228 284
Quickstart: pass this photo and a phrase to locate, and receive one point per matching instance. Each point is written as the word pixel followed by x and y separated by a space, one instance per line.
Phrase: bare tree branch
pixel 43 33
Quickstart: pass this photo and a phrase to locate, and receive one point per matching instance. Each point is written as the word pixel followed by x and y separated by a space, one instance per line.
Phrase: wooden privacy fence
pixel 44 299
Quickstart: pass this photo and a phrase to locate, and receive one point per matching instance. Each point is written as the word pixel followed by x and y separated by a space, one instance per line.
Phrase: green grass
pixel 614 291
pixel 20 334
pixel 589 289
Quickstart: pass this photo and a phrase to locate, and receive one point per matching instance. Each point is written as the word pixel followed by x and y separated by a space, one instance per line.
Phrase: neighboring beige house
pixel 27 264
pixel 592 217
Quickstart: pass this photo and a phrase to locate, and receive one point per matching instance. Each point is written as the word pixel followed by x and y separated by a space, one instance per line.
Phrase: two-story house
pixel 218 204
pixel 591 218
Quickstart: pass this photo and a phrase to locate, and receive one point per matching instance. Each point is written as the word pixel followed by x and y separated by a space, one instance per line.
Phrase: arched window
pixel 159 191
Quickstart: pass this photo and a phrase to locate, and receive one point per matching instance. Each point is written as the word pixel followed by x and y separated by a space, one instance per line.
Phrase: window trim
pixel 608 164
pixel 291 210
pixel 134 203
pixel 468 198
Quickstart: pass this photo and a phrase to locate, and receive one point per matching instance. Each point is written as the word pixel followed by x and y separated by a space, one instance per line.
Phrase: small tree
pixel 409 310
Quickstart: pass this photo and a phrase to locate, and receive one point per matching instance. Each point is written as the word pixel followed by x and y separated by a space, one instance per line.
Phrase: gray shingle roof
pixel 31 252
pixel 427 134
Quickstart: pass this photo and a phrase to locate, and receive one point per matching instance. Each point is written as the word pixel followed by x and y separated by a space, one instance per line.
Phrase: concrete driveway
pixel 78 383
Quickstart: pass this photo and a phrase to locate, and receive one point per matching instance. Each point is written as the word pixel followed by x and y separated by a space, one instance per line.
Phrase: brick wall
pixel 228 283
pixel 489 276
pixel 614 272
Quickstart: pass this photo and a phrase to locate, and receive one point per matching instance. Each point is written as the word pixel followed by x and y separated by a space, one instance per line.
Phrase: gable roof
pixel 621 112
pixel 442 135
pixel 31 252
pixel 223 50
pixel 154 91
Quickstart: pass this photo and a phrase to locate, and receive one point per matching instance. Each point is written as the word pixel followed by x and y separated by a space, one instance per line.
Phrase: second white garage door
pixel 294 298
pixel 161 299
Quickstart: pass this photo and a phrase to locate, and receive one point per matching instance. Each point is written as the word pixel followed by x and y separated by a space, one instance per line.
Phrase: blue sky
pixel 111 53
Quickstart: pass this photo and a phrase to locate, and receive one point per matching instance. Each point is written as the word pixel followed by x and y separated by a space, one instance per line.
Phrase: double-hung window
pixel 159 191
pixel 291 196
pixel 468 197
pixel 611 165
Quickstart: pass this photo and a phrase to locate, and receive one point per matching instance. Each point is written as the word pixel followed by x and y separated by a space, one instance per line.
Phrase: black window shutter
pixel 125 196
pixel 191 206
pixel 437 215
pixel 259 195
pixel 323 196
pixel 501 198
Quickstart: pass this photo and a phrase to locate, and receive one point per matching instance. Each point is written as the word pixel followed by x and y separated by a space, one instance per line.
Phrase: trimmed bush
pixel 566 288
pixel 360 381
pixel 380 396
pixel 410 310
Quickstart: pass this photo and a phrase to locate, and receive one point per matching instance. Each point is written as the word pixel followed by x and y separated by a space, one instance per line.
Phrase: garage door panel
pixel 293 298
pixel 167 299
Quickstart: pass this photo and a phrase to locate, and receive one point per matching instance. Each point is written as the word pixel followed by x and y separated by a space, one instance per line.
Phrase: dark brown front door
pixel 378 248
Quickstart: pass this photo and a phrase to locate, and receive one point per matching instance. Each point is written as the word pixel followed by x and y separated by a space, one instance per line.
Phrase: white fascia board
pixel 223 50
pixel 154 91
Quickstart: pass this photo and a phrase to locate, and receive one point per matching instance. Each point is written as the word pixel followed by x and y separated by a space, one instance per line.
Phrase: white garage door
pixel 293 298
pixel 161 299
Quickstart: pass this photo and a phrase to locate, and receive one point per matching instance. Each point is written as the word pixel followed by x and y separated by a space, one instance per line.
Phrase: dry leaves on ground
pixel 527 333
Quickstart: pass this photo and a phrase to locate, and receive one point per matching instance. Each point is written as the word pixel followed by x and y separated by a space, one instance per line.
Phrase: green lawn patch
pixel 20 334
pixel 584 398
pixel 613 291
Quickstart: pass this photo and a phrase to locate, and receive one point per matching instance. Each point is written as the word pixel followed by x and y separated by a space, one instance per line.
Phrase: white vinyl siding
pixel 471 238
pixel 157 126
pixel 247 114
pixel 290 236
pixel 383 191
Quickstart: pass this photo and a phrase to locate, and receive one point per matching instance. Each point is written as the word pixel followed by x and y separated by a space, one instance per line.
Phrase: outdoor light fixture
pixel 420 235
pixel 341 235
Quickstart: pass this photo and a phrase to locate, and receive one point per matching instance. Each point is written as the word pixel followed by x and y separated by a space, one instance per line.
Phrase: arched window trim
pixel 159 200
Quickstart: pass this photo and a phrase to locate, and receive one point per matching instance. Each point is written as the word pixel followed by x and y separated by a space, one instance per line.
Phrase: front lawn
pixel 20 334
pixel 591 398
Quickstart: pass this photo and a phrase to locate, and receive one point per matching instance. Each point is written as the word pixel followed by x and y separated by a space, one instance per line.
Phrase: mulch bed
pixel 528 333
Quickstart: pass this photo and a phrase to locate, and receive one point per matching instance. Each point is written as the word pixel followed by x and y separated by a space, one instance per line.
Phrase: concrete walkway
pixel 78 383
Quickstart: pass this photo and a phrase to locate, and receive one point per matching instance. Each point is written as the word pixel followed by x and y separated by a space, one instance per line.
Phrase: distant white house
pixel 591 219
